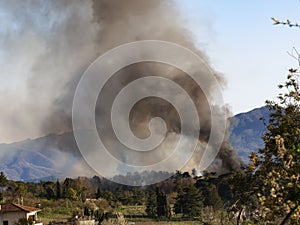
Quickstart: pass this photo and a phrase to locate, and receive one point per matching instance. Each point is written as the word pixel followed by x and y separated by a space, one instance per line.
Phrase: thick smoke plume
pixel 61 38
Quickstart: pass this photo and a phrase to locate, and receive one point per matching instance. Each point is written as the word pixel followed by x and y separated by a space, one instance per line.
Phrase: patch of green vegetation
pixel 138 210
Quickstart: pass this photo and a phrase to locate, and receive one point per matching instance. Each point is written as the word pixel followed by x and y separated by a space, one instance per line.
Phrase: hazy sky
pixel 238 37
pixel 242 44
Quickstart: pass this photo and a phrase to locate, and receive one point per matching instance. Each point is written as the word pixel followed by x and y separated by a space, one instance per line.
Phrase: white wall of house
pixel 12 217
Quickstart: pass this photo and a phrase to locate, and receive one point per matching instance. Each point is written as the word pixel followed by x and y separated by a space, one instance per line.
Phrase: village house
pixel 11 213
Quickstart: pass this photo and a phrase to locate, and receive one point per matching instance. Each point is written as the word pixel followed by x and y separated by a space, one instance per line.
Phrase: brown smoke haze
pixel 53 42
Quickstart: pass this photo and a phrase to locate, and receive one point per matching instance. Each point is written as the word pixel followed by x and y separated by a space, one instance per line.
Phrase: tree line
pixel 267 191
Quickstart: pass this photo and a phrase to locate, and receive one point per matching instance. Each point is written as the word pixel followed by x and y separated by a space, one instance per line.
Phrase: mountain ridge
pixel 246 131
pixel 57 155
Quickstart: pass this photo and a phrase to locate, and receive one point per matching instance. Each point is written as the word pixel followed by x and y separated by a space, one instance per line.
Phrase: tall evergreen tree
pixel 98 193
pixel 151 205
pixel 162 204
pixel 189 202
pixel 179 204
pixel 3 182
pixel 212 197
pixel 58 189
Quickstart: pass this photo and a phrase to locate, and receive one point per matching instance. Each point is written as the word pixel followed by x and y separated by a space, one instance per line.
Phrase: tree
pixel 58 189
pixel 21 189
pixel 98 193
pixel 50 193
pixel 151 204
pixel 107 195
pixel 124 196
pixel 179 204
pixel 48 190
pixel 162 204
pixel 287 22
pixel 189 202
pixel 69 183
pixel 3 179
pixel 3 182
pixel 244 190
pixel 72 194
pixel 193 202
pixel 212 197
pixel 279 167
pixel 138 196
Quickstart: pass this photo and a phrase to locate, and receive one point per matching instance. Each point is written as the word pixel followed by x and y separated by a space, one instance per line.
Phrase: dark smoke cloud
pixel 139 20
pixel 44 46
pixel 63 37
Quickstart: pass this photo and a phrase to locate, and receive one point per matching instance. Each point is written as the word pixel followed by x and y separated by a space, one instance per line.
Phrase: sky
pixel 243 44
pixel 238 37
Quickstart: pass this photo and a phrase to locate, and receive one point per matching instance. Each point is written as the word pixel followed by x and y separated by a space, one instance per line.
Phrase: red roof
pixel 11 207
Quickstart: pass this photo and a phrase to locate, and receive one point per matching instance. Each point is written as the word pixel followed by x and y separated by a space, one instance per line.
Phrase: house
pixel 10 214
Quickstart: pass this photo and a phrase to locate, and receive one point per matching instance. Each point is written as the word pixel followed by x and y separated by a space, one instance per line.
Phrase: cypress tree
pixel 58 189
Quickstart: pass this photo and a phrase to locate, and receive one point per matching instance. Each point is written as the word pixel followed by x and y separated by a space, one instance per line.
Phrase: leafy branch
pixel 287 23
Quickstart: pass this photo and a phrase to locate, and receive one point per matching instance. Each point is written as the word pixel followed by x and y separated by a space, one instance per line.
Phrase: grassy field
pixel 46 221
pixel 137 210
pixel 57 214
pixel 129 215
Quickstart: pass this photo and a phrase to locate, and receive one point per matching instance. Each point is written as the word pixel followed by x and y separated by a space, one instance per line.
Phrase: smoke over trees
pixel 61 38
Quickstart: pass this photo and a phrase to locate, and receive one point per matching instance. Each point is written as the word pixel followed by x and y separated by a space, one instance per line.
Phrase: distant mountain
pixel 55 156
pixel 247 130
pixel 43 158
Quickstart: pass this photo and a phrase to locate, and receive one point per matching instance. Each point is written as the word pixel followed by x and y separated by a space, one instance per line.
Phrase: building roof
pixel 11 207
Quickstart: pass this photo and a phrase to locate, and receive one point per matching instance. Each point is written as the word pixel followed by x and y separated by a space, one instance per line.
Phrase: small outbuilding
pixel 11 213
